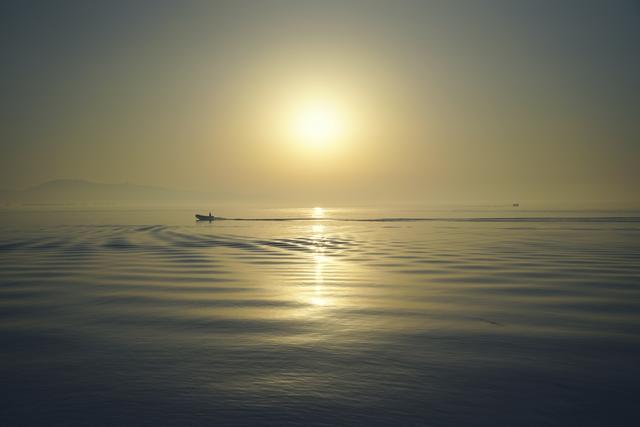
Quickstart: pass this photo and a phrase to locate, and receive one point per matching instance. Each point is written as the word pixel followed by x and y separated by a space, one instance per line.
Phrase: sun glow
pixel 318 123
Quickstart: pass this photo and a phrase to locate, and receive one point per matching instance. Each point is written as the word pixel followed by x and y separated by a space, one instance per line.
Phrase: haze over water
pixel 144 317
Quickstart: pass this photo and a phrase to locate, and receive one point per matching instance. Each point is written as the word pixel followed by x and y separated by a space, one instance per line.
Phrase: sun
pixel 317 124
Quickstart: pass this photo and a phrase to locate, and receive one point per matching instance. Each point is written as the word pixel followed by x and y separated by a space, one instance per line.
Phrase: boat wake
pixel 597 219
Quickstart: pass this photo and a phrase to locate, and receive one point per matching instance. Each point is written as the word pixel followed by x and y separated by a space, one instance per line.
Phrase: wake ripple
pixel 594 219
pixel 283 323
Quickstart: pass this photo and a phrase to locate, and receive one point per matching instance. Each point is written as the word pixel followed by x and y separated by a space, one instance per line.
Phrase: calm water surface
pixel 476 318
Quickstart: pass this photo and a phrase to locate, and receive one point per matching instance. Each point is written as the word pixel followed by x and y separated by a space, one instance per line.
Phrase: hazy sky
pixel 427 101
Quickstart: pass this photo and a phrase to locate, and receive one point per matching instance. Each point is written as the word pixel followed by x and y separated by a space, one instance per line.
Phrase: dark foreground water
pixel 148 318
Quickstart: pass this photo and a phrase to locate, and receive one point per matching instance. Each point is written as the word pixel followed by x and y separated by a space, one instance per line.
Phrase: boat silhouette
pixel 205 217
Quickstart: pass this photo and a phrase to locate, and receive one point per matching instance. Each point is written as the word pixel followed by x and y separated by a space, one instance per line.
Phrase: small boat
pixel 205 217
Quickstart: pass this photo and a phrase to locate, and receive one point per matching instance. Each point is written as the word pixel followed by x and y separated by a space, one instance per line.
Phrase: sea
pixel 319 316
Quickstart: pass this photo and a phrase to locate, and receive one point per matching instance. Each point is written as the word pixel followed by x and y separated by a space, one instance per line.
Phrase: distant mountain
pixel 79 192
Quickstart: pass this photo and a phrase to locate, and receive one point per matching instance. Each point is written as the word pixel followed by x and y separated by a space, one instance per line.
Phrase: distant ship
pixel 515 205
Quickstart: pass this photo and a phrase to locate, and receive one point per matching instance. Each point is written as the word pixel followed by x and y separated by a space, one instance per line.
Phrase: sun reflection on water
pixel 319 262
pixel 317 212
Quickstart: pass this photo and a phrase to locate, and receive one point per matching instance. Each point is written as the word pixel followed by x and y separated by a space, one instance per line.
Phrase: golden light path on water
pixel 319 260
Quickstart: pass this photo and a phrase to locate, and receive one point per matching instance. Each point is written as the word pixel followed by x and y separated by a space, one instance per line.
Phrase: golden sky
pixel 328 101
